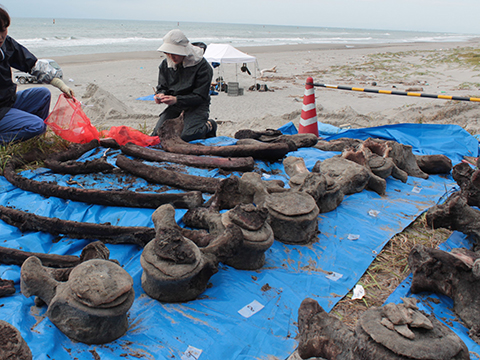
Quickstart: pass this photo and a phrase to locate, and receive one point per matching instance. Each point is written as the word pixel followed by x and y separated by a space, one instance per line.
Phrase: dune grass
pixel 388 270
pixel 46 143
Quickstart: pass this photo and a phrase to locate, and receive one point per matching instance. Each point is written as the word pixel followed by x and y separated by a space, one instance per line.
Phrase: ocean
pixel 59 37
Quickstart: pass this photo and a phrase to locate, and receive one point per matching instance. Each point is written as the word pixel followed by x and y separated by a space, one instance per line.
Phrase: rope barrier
pixel 394 92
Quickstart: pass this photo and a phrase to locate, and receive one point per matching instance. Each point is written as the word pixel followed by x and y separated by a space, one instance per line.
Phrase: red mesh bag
pixel 68 121
pixel 125 134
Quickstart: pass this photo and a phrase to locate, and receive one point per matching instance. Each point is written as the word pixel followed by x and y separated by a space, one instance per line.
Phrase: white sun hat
pixel 175 42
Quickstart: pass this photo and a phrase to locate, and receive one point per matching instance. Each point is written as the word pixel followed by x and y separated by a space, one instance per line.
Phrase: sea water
pixel 59 37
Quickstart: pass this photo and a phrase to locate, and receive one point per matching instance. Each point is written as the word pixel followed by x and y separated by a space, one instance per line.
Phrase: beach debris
pixel 358 292
pixel 169 135
pixel 100 197
pixel 456 214
pixel 414 88
pixel 455 274
pixel 25 221
pixel 158 175
pixel 394 331
pixel 12 344
pixel 228 164
pixel 271 70
pixel 91 306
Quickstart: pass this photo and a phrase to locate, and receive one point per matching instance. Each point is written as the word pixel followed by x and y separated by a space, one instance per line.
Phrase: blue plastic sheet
pixel 351 237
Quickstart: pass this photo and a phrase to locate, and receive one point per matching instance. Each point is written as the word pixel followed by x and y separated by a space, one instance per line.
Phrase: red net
pixel 68 121
pixel 125 134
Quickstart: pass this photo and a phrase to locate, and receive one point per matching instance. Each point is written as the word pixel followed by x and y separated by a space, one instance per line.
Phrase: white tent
pixel 227 54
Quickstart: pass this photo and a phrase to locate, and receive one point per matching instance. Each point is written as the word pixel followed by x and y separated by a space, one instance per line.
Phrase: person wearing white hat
pixel 184 80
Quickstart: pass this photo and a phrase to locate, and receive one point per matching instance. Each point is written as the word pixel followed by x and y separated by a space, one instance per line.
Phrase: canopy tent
pixel 227 54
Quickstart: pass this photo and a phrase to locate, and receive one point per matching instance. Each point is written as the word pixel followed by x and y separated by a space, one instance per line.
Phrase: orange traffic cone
pixel 308 120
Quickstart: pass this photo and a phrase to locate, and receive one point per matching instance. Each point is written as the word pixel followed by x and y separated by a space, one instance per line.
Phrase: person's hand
pixel 158 98
pixel 58 83
pixel 165 99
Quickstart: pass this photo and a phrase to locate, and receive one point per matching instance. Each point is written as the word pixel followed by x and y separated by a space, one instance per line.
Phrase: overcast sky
pixel 459 16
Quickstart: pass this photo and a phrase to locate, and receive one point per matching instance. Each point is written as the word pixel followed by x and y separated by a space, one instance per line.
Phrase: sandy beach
pixel 109 84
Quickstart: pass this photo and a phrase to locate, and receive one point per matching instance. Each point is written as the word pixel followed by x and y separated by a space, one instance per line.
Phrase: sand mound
pixel 104 109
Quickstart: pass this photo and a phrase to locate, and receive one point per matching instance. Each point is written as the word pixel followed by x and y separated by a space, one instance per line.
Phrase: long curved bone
pixel 170 140
pixel 229 164
pixel 60 162
pixel 108 198
pixel 176 179
pixel 112 234
pixel 276 136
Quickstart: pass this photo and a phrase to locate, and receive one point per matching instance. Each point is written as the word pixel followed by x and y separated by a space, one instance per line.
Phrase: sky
pixel 453 16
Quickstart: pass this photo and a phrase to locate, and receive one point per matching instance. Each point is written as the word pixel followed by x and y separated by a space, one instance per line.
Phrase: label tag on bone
pixel 373 213
pixel 353 237
pixel 334 276
pixel 191 353
pixel 416 189
pixel 251 309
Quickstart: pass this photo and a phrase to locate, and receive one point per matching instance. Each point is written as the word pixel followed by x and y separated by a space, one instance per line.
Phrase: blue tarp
pixel 351 237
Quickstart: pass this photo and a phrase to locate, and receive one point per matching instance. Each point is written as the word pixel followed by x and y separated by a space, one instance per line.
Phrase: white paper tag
pixel 334 276
pixel 192 353
pixel 373 213
pixel 251 309
pixel 416 190
pixel 353 237
pixel 358 292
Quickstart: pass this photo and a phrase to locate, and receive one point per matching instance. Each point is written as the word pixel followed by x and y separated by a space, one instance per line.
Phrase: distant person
pixel 22 113
pixel 184 80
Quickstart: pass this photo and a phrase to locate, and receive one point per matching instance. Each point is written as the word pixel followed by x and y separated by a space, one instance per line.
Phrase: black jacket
pixel 14 55
pixel 191 85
